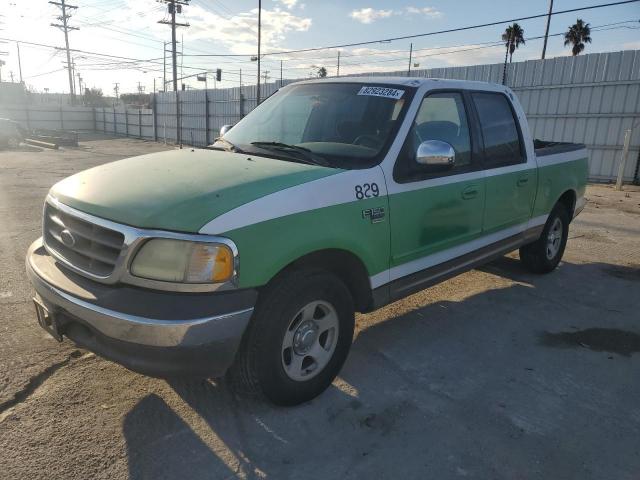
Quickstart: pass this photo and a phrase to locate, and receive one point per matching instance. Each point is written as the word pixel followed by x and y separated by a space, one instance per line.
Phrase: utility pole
pixel 259 45
pixel 73 74
pixel 241 79
pixel 64 18
pixel 116 89
pixel 410 55
pixel 164 66
pixel 174 6
pixel 280 73
pixel 19 62
pixel 266 72
pixel 546 32
pixel 338 72
pixel 79 84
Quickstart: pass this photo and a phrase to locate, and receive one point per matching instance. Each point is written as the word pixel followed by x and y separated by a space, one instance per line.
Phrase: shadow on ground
pixel 472 388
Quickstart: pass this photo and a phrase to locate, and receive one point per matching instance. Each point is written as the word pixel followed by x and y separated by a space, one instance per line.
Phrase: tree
pixel 512 37
pixel 578 34
pixel 322 72
pixel 93 97
pixel 137 100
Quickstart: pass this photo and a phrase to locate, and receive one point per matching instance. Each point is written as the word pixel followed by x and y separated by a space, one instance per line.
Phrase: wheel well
pixel 568 199
pixel 345 265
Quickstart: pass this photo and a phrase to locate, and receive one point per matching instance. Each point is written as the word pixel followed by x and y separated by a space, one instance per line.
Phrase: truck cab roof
pixel 414 82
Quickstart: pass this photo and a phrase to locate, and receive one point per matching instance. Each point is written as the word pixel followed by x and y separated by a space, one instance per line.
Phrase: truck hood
pixel 179 190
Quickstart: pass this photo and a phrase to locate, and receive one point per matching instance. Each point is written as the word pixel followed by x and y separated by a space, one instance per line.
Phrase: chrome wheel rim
pixel 554 238
pixel 310 341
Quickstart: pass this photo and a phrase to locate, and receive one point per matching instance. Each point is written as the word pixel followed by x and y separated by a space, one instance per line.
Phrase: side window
pixel 441 116
pixel 499 130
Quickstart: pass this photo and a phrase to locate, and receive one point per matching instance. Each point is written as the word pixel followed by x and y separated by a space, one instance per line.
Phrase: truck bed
pixel 544 147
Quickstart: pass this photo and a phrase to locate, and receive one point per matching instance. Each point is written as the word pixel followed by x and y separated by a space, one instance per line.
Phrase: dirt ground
pixel 495 374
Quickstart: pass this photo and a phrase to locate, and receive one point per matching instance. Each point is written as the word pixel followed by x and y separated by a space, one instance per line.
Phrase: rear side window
pixel 499 130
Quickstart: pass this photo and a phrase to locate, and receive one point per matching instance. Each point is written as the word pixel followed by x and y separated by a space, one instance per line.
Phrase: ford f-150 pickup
pixel 250 258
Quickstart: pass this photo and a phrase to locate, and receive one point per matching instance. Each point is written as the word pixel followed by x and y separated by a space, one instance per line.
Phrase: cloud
pixel 288 3
pixel 426 11
pixel 370 15
pixel 239 32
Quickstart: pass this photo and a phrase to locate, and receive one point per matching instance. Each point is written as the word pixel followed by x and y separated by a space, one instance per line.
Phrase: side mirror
pixel 436 154
pixel 225 129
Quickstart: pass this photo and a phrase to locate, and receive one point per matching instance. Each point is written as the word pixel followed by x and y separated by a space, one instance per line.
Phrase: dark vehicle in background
pixel 11 133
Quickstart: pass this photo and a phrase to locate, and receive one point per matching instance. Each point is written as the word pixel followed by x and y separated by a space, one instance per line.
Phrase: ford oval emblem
pixel 67 238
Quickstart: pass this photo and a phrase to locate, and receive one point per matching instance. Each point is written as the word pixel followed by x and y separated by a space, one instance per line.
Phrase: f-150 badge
pixel 376 215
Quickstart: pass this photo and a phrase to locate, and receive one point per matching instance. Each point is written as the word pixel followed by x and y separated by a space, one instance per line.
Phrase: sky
pixel 128 31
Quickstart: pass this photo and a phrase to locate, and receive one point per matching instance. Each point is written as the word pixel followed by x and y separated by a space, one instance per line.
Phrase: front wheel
pixel 298 340
pixel 544 255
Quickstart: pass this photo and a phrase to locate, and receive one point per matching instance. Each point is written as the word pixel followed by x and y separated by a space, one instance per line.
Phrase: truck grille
pixel 83 245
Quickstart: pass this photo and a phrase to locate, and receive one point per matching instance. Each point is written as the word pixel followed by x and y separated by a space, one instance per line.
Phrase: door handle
pixel 470 192
pixel 522 181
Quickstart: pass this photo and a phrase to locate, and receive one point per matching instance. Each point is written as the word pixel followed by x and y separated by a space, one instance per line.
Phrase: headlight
pixel 183 261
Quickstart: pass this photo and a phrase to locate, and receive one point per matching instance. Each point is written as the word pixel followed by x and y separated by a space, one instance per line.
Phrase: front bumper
pixel 153 332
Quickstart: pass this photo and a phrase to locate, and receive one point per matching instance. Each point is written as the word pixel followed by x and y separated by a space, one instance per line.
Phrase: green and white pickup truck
pixel 332 197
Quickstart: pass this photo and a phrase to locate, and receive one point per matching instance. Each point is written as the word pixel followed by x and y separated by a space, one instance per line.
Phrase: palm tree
pixel 577 35
pixel 512 37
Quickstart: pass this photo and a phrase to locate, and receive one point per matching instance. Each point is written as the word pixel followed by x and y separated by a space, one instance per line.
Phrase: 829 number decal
pixel 367 190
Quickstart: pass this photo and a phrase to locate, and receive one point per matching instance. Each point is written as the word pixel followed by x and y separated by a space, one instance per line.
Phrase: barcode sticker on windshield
pixel 381 92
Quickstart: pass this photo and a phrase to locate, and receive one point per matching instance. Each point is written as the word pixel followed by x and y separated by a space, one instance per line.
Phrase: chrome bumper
pixel 138 329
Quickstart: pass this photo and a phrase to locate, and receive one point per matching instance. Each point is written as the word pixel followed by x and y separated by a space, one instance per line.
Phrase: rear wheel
pixel 544 255
pixel 298 340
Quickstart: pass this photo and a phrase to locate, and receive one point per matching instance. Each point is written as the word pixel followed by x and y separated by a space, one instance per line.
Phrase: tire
pixel 544 255
pixel 280 356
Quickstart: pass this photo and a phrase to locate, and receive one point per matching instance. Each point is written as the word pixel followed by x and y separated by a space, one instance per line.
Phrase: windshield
pixel 345 125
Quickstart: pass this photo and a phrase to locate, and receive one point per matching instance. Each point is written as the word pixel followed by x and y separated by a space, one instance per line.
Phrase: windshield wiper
pixel 228 146
pixel 307 154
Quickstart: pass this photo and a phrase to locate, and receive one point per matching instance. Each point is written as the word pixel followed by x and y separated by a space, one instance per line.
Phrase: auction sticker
pixel 381 92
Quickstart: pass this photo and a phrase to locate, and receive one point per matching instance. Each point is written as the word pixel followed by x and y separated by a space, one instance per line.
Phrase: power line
pixel 427 34
pixel 47 73
pixel 129 63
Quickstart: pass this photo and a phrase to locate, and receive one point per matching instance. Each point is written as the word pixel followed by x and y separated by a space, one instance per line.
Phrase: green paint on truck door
pixel 432 219
pixel 511 184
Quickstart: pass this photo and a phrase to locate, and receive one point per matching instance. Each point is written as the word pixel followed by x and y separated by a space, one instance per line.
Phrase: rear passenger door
pixel 510 179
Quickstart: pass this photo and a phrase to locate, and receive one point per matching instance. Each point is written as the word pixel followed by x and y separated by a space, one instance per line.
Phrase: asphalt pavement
pixel 495 374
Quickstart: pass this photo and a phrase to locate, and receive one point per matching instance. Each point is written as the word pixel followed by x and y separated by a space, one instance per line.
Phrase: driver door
pixel 435 214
